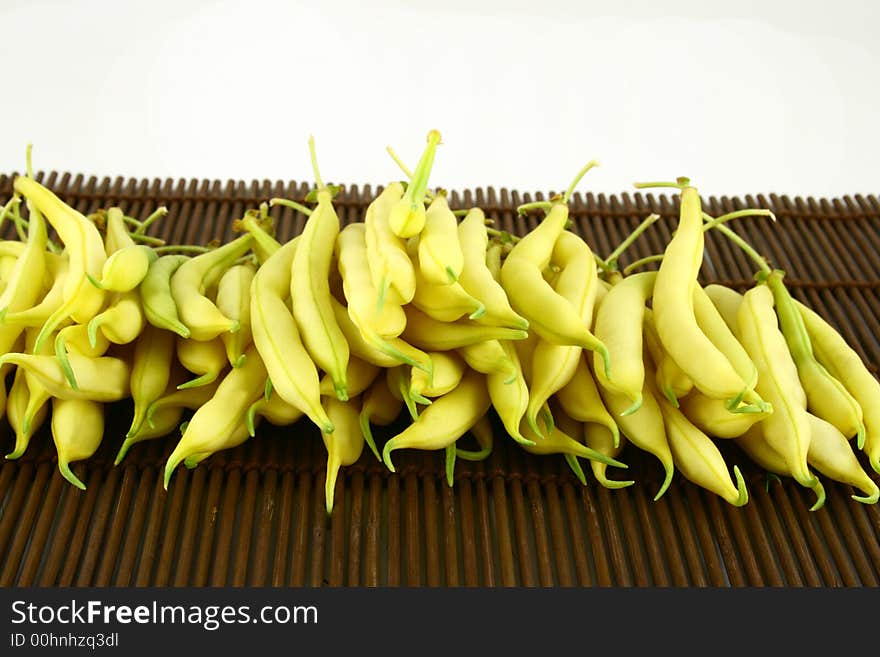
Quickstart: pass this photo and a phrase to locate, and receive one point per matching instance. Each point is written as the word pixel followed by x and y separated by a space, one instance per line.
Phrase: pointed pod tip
pixel 670 471
pixel 386 455
pixel 636 405
pixel 873 498
pixel 743 497
pixel 67 473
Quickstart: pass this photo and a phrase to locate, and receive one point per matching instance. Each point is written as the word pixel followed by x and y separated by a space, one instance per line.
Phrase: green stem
pixel 712 223
pixel 676 185
pixel 641 262
pixel 314 157
pixel 157 213
pixel 7 210
pixel 603 265
pixel 290 204
pixel 503 235
pixel 534 205
pixel 408 173
pixel 29 164
pixel 758 259
pixel 450 464
pixel 181 248
pixel 580 174
pixel 21 225
pixel 611 260
pixel 147 239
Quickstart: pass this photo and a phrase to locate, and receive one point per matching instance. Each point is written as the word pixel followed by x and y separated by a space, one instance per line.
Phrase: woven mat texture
pixel 254 516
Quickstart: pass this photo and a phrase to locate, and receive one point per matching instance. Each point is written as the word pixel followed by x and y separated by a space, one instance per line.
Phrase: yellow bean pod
pixel 234 301
pixel 600 439
pixel 216 424
pixel 477 277
pixel 77 431
pixel 787 428
pixel 391 270
pixel 344 445
pixel 276 336
pixel 206 359
pixel 310 293
pixel 447 419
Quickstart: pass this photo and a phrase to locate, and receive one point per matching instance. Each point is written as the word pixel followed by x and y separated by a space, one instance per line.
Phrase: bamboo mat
pixel 254 516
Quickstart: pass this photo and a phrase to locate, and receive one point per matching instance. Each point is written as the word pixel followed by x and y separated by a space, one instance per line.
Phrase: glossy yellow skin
pixel 580 400
pixel 673 305
pixel 16 412
pixel 619 323
pixel 671 381
pixel 787 428
pixel 24 282
pixel 274 410
pixel 102 379
pixel 193 277
pixel 358 288
pixel 77 430
pixel 126 268
pixel 644 428
pixel 831 455
pixel 158 302
pixel 86 254
pixel 426 333
pixel 166 420
pixel 726 300
pixel 698 458
pixel 116 235
pixel 293 373
pixel 844 363
pixel 510 399
pixel 206 359
pixel 310 293
pixel 600 439
pixel 550 314
pixel 366 344
pixel 359 374
pixel 447 369
pixel 344 445
pixel 447 419
pixel 189 398
pixel 827 397
pixel 37 314
pixel 488 357
pixel 444 302
pixel 391 270
pixel 553 365
pixel 756 446
pixel 407 215
pixel 38 398
pixel 440 255
pixel 477 277
pixel 559 442
pixel 218 418
pixel 150 371
pixel 123 320
pixel 712 417
pixel 234 301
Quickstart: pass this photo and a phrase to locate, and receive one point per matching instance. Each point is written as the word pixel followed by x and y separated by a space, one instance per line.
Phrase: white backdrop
pixel 746 97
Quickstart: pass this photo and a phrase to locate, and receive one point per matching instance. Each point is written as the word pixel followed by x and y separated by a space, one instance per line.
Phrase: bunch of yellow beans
pixel 426 313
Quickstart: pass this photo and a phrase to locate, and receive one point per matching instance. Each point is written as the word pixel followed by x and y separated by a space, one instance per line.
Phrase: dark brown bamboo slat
pixel 255 515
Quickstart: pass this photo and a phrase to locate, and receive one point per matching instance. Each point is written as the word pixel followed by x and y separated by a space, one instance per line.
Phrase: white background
pixel 744 97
